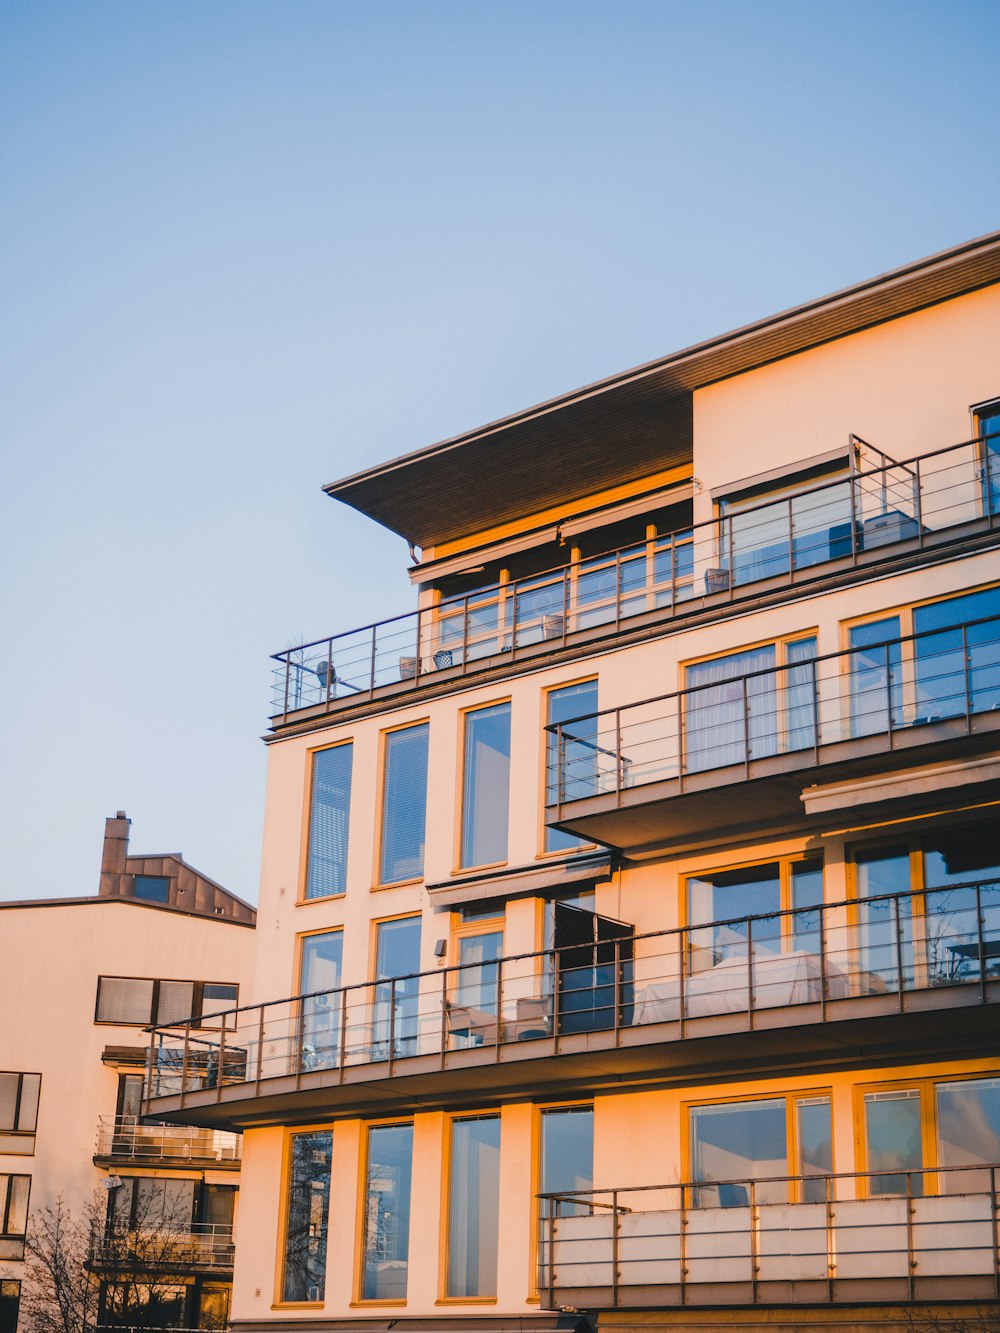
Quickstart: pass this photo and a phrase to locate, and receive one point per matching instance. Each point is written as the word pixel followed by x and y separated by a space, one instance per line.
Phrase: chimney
pixel 115 854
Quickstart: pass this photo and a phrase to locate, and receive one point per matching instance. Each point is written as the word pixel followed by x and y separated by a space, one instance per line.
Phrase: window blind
pixel 329 818
pixel 175 1002
pixel 487 786
pixel 404 809
pixel 124 1000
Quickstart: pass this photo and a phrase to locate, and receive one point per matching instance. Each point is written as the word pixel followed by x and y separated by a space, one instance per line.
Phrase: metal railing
pixel 126 1137
pixel 202 1245
pixel 802 962
pixel 884 693
pixel 782 1238
pixel 924 500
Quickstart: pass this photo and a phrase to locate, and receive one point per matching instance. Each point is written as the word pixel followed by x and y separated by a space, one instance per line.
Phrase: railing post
pixel 418 644
pixel 342 1035
pixel 499 1025
pixel 184 1063
pixel 911 1262
pixel 853 489
pixel 618 991
pixel 297 1053
pixel 288 672
pixel 560 767
pixel 444 1016
pixel 918 503
pixel 260 1049
pixel 684 951
pixel 731 581
pixel 619 757
pixel 814 672
pixel 615 1234
pixel 791 540
pixel 750 972
pixel 888 694
pixel 681 744
pixel 465 630
pixel 329 671
pixel 682 1245
pixel 565 602
pixel 222 1060
pixel 823 977
pixel 618 589
pixel 980 944
pixel 392 1023
pixel 831 1261
pixel 371 682
pixel 897 921
pixel 967 678
pixel 754 1245
pixel 551 1233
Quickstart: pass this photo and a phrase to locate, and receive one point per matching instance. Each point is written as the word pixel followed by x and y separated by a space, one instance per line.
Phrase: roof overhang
pixel 633 424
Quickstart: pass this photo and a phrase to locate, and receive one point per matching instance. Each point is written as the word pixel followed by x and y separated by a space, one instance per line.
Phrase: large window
pixel 474 1206
pixel 576 763
pixel 329 820
pixel 567 1153
pixel 735 1143
pixel 14 1191
pixel 306 1229
pixel 912 1128
pixel 404 805
pixel 397 955
pixel 750 704
pixel 319 973
pixel 18 1112
pixel 387 1212
pixel 720 901
pixel 486 786
pixel 136 1001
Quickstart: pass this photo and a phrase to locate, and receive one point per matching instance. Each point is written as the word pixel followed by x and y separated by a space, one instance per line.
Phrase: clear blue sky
pixel 247 248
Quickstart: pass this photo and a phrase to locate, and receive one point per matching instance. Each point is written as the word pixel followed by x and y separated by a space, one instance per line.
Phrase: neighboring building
pixel 80 978
pixel 652 864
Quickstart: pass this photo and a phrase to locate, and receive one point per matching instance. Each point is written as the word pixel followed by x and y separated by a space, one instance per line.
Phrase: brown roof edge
pixel 990 241
pixel 130 902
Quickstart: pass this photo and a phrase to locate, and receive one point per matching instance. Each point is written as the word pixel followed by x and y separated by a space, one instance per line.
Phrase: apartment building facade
pixel 631 908
pixel 80 979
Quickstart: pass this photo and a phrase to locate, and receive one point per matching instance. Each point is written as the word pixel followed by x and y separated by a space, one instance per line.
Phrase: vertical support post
pixel 749 921
pixel 746 728
pixel 329 671
pixel 561 767
pixel 731 566
pixel 918 503
pixel 371 683
pixel 823 973
pixel 260 1048
pixel 297 1053
pixel 615 1237
pixel 288 672
pixel 465 632
pixel 618 991
pixel 911 1262
pixel 618 589
pixel 565 602
pixel 499 1022
pixel 791 540
pixel 683 960
pixel 444 1016
pixel 550 1228
pixel 967 678
pixel 853 489
pixel 995 1228
pixel 754 1243
pixel 682 1249
pixel 831 1262
pixel 681 743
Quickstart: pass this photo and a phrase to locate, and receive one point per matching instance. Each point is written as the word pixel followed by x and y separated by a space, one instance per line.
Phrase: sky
pixel 248 248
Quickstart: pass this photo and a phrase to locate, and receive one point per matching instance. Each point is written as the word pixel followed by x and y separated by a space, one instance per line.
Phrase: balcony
pixel 205 1247
pixel 926 1236
pixel 824 983
pixel 879 515
pixel 649 774
pixel 123 1141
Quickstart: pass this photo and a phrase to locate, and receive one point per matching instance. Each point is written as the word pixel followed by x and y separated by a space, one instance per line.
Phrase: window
pixel 10 1298
pixel 486 786
pixel 567 1154
pixel 14 1191
pixel 137 1001
pixel 750 704
pixel 478 951
pixel 734 1143
pixel 987 418
pixel 404 805
pixel 319 974
pixel 397 955
pixel 329 818
pixel 925 663
pixel 304 1277
pixel 152 888
pixel 474 1206
pixel 719 901
pixel 151 1204
pixel 144 1304
pixel 387 1212
pixel 19 1095
pixel 577 763
pixel 929 908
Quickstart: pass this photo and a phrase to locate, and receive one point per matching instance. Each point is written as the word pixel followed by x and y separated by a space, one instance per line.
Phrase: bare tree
pixel 59 1294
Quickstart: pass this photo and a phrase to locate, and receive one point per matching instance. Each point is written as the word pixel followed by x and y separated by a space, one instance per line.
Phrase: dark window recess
pixel 136 1001
pixel 594 970
pixel 152 888
pixel 10 1297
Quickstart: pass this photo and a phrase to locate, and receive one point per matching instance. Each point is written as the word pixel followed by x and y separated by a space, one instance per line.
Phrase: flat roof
pixel 634 423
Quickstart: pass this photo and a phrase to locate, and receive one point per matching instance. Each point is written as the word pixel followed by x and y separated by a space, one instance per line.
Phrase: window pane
pixel 397 954
pixel 568 1154
pixel 487 780
pixel 404 810
pixel 387 1212
pixel 10 1295
pixel 726 897
pixel 815 1142
pixel 124 1000
pixel 893 1140
pixel 329 818
pixel 807 896
pixel 322 957
pixel 876 677
pixel 579 754
pixel 968 1128
pixel 474 1207
pixel 477 986
pixel 736 1143
pixel 218 997
pixel 308 1216
pixel 885 871
pixel 176 1001
pixel 9 1084
pixel 152 888
pixel 18 1188
pixel 717 727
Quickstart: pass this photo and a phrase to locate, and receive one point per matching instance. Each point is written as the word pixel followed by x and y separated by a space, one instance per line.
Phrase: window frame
pixel 791 1097
pixel 378 882
pixel 303 896
pixel 358 1283
pixel 27 1136
pixel 444 1248
pixel 785 862
pixel 14 1238
pixel 284 1213
pixel 459 867
pixel 543 853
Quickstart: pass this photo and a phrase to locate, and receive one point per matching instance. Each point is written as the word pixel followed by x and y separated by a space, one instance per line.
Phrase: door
pixel 594 970
pixel 397 956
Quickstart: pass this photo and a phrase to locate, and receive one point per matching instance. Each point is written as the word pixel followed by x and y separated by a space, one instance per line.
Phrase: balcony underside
pixel 765 795
pixel 838 1291
pixel 863 1030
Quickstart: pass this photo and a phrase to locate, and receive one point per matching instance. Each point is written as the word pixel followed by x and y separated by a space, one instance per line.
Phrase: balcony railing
pixel 205 1245
pixel 124 1137
pixel 920 1234
pixel 865 517
pixel 805 964
pixel 887 695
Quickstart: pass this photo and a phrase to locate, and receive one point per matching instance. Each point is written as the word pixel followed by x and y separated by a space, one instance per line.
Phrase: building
pixel 638 893
pixel 80 978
